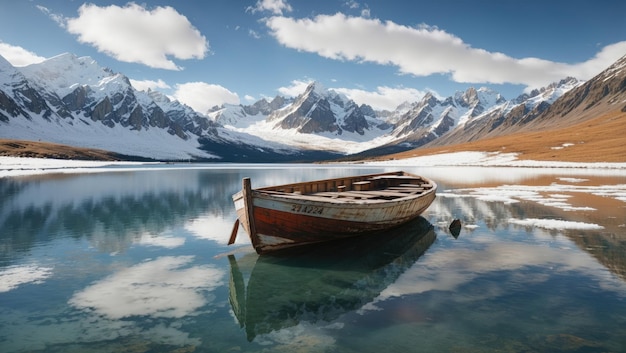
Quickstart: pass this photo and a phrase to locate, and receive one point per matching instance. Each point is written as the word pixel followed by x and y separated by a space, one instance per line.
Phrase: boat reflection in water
pixel 322 282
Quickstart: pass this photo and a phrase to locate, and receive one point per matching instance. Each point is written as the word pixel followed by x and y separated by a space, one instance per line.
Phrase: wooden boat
pixel 324 281
pixel 285 216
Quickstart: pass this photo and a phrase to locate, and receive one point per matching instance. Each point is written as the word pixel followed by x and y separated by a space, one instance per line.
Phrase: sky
pixel 381 53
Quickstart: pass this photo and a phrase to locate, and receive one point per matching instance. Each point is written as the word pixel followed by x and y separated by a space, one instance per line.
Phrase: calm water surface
pixel 136 261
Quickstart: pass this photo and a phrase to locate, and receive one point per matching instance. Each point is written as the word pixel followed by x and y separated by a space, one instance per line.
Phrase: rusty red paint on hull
pixel 300 227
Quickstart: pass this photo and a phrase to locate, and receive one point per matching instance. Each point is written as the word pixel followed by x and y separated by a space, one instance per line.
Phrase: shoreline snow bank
pixel 22 166
pixel 489 159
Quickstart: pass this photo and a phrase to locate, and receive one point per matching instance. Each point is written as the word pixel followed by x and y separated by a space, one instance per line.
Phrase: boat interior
pixel 387 186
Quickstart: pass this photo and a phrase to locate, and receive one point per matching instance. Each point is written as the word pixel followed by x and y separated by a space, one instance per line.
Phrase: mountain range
pixel 74 101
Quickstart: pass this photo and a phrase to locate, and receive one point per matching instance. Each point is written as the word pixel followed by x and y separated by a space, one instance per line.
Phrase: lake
pixel 135 260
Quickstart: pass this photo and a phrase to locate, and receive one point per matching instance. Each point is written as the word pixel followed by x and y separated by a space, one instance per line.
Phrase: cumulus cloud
pixel 203 96
pixel 135 34
pixel 274 6
pixel 19 56
pixel 425 50
pixel 387 98
pixel 144 85
pixel 297 87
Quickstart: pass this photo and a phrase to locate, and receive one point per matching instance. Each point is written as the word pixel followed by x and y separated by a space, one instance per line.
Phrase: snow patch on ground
pixel 16 166
pixel 488 159
pixel 21 166
pixel 554 224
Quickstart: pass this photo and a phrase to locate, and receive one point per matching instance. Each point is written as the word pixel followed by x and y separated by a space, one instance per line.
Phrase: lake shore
pixel 23 166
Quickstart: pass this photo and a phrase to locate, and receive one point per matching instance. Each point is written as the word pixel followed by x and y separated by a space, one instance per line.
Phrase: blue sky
pixel 206 53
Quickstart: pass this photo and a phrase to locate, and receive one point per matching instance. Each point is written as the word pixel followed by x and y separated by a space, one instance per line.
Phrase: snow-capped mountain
pixel 321 111
pixel 74 101
pixel 318 119
pixel 506 116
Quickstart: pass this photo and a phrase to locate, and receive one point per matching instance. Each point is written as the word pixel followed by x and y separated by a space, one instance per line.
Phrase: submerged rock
pixel 455 228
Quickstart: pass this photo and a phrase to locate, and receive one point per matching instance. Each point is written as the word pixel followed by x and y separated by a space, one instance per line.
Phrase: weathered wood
pixel 361 185
pixel 276 219
pixel 354 194
pixel 233 233
pixel 380 193
pixel 249 208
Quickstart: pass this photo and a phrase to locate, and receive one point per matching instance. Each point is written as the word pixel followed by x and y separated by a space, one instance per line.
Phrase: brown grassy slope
pixel 601 139
pixel 22 148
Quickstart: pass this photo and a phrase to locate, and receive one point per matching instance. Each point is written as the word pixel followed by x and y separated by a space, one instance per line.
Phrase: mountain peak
pixel 4 63
pixel 7 71
pixel 62 73
pixel 315 87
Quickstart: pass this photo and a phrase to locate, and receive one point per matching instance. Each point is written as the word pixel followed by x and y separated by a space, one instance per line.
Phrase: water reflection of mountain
pixel 112 209
pixel 109 209
pixel 322 282
pixel 608 246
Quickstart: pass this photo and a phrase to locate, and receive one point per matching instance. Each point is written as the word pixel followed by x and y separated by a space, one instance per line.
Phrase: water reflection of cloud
pixel 44 332
pixel 157 288
pixel 450 269
pixel 216 228
pixel 304 337
pixel 162 240
pixel 14 276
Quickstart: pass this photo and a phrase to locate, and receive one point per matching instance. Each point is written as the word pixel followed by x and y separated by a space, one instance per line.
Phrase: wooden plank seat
pixel 346 194
pixel 380 193
pixel 397 177
pixel 361 185
pixel 406 189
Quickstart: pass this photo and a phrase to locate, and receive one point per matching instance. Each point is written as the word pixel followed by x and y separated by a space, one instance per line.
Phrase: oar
pixel 233 234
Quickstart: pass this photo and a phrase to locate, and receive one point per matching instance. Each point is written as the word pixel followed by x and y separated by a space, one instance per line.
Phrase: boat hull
pixel 278 221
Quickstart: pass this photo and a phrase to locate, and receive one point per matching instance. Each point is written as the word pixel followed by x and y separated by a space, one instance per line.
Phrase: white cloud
pixel 164 287
pixel 274 6
pixel 14 276
pixel 19 56
pixel 144 85
pixel 297 87
pixel 59 19
pixel 352 4
pixel 425 51
pixel 138 35
pixel 254 34
pixel 202 96
pixel 384 97
pixel 162 240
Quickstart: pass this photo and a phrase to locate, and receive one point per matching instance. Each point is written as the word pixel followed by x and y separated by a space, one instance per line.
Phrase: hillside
pixel 22 148
pixel 600 139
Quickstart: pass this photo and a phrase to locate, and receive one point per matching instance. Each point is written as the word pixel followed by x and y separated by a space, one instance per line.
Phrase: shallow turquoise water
pixel 136 261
